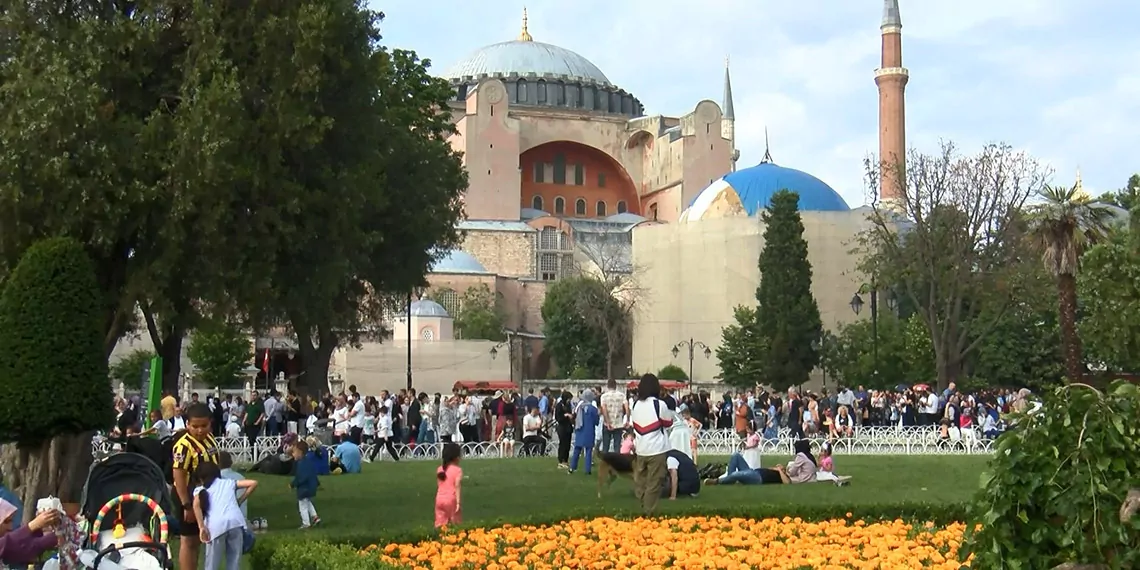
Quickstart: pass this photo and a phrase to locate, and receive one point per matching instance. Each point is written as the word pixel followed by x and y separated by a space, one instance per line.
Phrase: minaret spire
pixel 891 78
pixel 727 108
pixel 767 149
pixel 524 35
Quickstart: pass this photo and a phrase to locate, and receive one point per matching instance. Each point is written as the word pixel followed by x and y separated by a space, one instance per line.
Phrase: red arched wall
pixel 612 186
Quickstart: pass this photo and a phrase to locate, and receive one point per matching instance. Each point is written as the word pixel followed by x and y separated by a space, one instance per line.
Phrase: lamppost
pixel 692 346
pixel 418 294
pixel 509 343
pixel 857 305
pixel 822 345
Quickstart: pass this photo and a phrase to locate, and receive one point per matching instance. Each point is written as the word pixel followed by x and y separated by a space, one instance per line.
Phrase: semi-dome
pixel 458 261
pixel 428 308
pixel 755 187
pixel 522 57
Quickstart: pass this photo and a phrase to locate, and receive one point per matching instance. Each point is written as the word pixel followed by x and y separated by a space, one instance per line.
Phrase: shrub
pixel 129 369
pixel 221 352
pixel 1053 490
pixel 53 371
pixel 672 372
pixel 311 555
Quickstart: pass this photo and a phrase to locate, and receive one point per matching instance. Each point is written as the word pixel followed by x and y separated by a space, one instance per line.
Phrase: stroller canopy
pixel 125 473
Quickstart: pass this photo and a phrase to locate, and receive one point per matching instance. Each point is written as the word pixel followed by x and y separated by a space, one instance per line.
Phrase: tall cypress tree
pixel 787 316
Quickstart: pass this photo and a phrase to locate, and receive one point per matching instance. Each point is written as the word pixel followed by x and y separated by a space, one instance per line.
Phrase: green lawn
pixel 391 497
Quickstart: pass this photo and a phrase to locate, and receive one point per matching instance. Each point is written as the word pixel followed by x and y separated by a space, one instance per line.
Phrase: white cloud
pixel 1054 76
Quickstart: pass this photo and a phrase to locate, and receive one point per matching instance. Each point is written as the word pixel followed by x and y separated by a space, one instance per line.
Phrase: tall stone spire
pixel 524 35
pixel 729 113
pixel 891 78
pixel 728 118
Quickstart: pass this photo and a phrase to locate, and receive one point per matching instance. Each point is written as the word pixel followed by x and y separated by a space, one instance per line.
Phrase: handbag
pixel 247 540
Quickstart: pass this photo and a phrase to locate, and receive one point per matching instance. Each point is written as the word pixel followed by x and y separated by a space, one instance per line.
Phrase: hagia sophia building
pixel 567 174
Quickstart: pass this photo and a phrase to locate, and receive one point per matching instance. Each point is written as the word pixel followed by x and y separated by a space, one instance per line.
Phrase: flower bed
pixel 687 542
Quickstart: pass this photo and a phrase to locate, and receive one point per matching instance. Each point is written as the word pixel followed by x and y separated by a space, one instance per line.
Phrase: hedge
pixel 300 553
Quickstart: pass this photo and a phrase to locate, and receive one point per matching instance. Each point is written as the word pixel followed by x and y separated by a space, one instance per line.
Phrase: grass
pixel 391 497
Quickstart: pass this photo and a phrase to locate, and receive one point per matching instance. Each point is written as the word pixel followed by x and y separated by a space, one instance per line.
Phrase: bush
pixel 221 352
pixel 1053 490
pixel 53 371
pixel 672 372
pixel 307 554
pixel 129 369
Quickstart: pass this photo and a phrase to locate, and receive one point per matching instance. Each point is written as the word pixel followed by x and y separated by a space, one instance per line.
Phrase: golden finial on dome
pixel 524 35
pixel 1079 188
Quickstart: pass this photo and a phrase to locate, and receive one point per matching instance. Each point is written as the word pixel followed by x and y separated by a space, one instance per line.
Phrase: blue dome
pixel 458 261
pixel 756 185
pixel 428 308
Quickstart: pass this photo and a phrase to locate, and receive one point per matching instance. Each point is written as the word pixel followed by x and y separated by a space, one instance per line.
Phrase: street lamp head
pixel 494 352
pixel 856 303
pixel 675 351
pixel 708 352
pixel 892 300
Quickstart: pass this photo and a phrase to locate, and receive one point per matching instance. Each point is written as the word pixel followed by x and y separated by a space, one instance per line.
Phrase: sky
pixel 1059 79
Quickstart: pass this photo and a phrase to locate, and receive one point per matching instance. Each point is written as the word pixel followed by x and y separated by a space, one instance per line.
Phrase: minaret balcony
pixel 883 71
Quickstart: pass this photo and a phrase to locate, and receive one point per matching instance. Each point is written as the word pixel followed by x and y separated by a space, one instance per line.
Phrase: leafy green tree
pixel 1127 197
pixel 905 355
pixel 953 244
pixel 1065 224
pixel 572 340
pixel 1024 346
pixel 741 349
pixel 479 315
pixel 672 372
pixel 787 321
pixel 1052 493
pixel 221 352
pixel 1109 288
pixel 128 370
pixel 54 391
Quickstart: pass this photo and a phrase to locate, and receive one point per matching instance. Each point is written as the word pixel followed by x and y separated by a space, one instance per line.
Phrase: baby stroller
pixel 125 501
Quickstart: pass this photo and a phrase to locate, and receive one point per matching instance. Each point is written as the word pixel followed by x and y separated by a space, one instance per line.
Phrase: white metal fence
pixel 867 441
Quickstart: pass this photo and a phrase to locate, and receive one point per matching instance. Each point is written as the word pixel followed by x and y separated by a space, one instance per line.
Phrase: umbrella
pixel 922 387
pixel 901 388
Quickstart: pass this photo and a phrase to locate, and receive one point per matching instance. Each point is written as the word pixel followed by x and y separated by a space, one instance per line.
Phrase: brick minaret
pixel 891 77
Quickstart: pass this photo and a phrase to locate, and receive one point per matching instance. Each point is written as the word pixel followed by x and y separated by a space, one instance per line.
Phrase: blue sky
pixel 1059 79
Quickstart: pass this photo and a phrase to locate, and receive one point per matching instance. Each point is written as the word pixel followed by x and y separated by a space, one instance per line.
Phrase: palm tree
pixel 1064 225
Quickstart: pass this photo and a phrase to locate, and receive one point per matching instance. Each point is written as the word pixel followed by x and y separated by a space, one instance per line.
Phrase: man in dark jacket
pixel 681 476
pixel 413 418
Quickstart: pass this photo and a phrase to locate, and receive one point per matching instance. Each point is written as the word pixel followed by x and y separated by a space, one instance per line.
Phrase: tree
pixel 479 315
pixel 1109 290
pixel 1127 197
pixel 128 370
pixel 54 391
pixel 782 348
pixel 572 340
pixel 221 352
pixel 672 372
pixel 350 140
pixel 1065 224
pixel 905 355
pixel 740 349
pixel 611 305
pixel 953 243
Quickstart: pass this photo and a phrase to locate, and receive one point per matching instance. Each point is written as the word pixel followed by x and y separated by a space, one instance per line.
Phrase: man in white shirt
pixel 533 442
pixel 356 421
pixel 650 418
pixel 614 411
pixel 930 409
pixel 272 414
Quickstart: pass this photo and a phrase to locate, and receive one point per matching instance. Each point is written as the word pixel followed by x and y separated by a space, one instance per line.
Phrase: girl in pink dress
pixel 447 510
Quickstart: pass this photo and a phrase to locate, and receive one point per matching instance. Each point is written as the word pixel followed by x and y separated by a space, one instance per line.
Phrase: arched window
pixel 601 208
pixel 559 205
pixel 536 202
pixel 522 91
pixel 621 207
pixel 540 95
pixel 580 207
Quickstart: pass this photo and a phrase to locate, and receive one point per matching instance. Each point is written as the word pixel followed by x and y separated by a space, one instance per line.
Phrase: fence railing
pixel 871 440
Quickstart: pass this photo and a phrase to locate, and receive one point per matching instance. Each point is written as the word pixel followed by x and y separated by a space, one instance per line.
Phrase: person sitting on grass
pixel 21 547
pixel 802 467
pixel 346 457
pixel 827 467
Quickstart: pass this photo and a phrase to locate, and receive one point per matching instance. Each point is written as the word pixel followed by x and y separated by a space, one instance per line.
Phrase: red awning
pixel 485 386
pixel 666 384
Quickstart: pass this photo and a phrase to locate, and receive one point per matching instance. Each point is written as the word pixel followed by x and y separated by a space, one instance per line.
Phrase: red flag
pixel 265 362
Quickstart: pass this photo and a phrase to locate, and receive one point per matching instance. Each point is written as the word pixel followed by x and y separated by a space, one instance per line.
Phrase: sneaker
pixel 305 527
pixel 316 521
pixel 843 480
pixel 569 471
pixel 263 524
pixel 712 481
pixel 563 466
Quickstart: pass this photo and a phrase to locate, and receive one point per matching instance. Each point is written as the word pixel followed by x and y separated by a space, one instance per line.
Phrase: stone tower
pixel 891 77
pixel 728 118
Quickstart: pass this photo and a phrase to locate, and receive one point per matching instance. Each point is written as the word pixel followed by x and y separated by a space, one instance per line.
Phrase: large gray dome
pixel 523 57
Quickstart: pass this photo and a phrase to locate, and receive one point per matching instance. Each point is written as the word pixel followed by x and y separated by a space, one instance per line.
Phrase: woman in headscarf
pixel 585 430
pixel 564 416
pixel 22 547
pixel 802 467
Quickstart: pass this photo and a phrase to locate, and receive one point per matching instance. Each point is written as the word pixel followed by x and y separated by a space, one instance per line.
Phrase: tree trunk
pixel 1067 313
pixel 57 467
pixel 315 357
pixel 171 352
pixel 948 365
